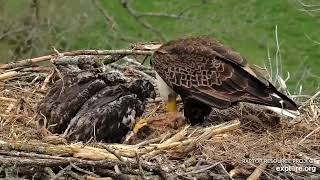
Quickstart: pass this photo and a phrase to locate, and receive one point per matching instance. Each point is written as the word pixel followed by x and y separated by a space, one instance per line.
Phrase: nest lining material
pixel 239 142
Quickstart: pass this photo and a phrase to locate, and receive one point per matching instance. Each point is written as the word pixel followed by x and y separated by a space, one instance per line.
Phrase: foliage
pixel 31 28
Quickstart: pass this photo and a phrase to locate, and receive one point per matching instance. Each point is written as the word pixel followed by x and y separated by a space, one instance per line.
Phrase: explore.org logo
pixel 296 169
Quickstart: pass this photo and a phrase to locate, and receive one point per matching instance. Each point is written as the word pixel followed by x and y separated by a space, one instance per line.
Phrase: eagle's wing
pixel 210 47
pixel 214 74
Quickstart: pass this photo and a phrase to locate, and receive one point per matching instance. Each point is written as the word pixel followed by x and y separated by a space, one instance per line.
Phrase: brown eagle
pixel 206 74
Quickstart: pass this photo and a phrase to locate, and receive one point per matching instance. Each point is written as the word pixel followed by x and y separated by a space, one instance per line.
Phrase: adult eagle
pixel 206 73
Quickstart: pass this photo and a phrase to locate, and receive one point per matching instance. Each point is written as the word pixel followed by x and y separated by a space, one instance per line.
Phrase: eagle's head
pixel 143 89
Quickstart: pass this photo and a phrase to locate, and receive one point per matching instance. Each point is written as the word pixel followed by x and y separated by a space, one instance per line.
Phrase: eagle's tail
pixel 283 105
pixel 278 103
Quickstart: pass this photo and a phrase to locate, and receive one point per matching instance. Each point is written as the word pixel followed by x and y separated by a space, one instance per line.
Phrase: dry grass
pixel 262 136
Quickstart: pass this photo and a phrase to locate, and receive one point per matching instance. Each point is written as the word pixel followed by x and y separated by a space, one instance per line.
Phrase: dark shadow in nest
pixel 253 118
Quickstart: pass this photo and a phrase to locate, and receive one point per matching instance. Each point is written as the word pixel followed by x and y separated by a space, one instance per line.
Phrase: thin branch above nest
pixel 28 62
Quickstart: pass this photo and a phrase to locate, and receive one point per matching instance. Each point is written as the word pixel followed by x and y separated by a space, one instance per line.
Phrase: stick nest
pixel 237 143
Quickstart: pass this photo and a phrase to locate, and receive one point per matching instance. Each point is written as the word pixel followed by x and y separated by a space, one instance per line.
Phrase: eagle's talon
pixel 139 124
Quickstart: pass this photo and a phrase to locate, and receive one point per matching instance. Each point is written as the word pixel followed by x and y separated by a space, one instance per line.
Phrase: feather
pixel 87 105
pixel 207 71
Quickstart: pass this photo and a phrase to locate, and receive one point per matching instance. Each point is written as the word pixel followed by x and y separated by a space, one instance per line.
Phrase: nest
pixel 245 141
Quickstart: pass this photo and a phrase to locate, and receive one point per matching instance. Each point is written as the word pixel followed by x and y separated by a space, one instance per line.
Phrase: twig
pixel 200 170
pixel 49 171
pixel 141 173
pixel 74 175
pixel 308 5
pixel 106 16
pixel 8 75
pixel 125 5
pixel 28 62
pixel 257 172
pixel 61 172
pixel 112 151
pixel 311 133
pixel 145 75
pixel 178 136
pixel 160 15
pixel 46 81
pixel 83 171
pixel 8 99
pixel 312 40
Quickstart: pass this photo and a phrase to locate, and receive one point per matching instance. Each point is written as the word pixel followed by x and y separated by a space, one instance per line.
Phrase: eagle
pixel 206 73
pixel 86 104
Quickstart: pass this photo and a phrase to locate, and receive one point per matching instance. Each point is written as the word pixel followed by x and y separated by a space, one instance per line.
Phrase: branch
pixel 174 16
pixel 28 62
pixel 257 172
pixel 106 16
pixel 125 5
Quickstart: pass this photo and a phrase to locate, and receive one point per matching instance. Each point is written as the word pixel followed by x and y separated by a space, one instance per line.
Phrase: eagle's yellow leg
pixel 171 104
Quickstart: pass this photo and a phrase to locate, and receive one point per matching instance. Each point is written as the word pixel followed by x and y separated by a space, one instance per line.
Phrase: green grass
pixel 247 26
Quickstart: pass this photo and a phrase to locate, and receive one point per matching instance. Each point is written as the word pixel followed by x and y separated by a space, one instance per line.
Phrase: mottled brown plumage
pixel 89 104
pixel 205 71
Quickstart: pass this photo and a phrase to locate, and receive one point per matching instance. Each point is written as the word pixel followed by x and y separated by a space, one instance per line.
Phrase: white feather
pixel 163 88
pixel 285 112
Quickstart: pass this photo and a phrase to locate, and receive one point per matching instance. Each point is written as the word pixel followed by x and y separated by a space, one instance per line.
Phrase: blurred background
pixel 262 31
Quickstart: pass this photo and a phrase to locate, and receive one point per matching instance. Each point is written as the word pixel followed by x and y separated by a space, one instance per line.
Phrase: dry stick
pixel 28 62
pixel 257 172
pixel 74 175
pixel 49 171
pixel 83 171
pixel 31 155
pixel 9 74
pixel 43 160
pixel 112 151
pixel 61 173
pixel 8 99
pixel 200 170
pixel 178 136
pixel 141 173
pixel 311 133
pixel 137 64
pixel 208 133
pixel 145 75
pixel 174 16
pixel 38 162
pixel 46 81
pixel 98 178
pixel 157 139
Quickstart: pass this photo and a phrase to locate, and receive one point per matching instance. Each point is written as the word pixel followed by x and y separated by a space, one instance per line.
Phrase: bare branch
pixel 174 16
pixel 106 16
pixel 125 5
pixel 28 62
pixel 308 5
